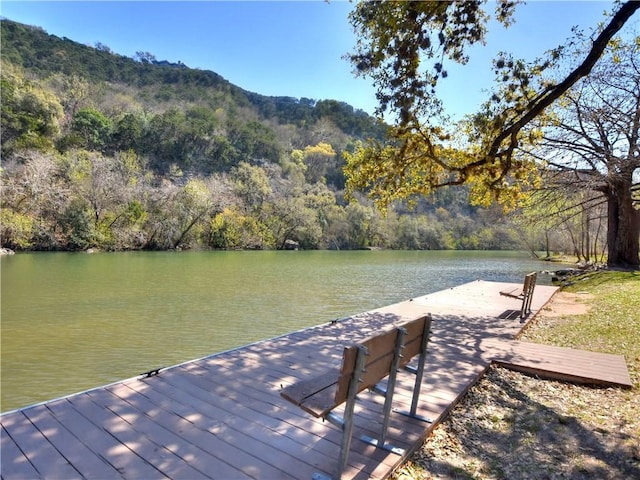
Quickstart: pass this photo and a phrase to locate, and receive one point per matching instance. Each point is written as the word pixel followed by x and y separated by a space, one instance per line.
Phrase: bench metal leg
pixel 347 428
pixel 385 446
pixel 419 372
pixel 388 401
pixel 346 422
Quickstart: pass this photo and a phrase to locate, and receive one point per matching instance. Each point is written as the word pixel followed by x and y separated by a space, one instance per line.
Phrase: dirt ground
pixel 512 426
pixel 565 303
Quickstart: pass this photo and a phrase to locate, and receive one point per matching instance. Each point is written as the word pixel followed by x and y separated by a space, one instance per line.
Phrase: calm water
pixel 75 321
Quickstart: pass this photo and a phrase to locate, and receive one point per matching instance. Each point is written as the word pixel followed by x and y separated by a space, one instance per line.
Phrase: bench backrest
pixel 380 355
pixel 529 283
pixel 527 293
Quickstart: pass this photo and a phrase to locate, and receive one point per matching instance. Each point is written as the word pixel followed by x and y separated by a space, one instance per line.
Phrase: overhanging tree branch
pixel 600 43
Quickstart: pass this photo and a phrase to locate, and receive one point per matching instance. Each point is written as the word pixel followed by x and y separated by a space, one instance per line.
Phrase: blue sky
pixel 288 48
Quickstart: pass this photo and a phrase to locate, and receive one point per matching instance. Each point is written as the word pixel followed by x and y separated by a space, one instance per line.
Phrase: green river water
pixel 75 321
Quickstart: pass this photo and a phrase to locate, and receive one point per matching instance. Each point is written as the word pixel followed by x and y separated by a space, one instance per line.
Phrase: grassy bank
pixel 512 426
pixel 611 324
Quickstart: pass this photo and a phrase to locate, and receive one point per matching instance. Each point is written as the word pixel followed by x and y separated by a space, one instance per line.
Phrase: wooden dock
pixel 222 416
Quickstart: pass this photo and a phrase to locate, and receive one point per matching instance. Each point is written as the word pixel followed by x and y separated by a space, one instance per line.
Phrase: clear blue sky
pixel 288 48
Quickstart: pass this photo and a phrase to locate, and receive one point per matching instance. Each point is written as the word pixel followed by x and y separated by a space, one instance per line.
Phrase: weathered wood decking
pixel 223 417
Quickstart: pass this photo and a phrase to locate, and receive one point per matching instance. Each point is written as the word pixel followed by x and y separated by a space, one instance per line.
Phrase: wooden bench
pixel 364 365
pixel 525 294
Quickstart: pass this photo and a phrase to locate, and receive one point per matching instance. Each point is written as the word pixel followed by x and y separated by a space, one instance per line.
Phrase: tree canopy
pixel 404 47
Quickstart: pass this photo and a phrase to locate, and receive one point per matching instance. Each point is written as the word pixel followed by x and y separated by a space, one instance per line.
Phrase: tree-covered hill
pixel 43 55
pixel 104 151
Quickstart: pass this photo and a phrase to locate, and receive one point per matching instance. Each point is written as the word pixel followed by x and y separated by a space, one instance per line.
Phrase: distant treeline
pixel 105 151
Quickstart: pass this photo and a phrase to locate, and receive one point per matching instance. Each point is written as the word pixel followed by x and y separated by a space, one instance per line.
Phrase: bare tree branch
pixel 597 49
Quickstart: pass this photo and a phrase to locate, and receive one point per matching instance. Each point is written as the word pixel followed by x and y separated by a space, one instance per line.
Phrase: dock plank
pixel 247 419
pixel 263 443
pixel 222 416
pixel 285 420
pixel 180 414
pixel 559 363
pixel 69 446
pixel 101 443
pixel 133 408
pixel 124 423
pixel 180 435
pixel 14 459
pixel 45 458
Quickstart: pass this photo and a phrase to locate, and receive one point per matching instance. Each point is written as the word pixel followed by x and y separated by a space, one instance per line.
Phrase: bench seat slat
pixel 322 402
pixel 514 293
pixel 322 386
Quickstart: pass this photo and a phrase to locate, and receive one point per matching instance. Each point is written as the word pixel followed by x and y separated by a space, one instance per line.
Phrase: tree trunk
pixel 595 242
pixel 576 250
pixel 586 238
pixel 623 236
pixel 546 243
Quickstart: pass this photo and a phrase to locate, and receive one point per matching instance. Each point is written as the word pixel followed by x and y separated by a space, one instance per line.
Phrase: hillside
pixel 106 151
pixel 162 82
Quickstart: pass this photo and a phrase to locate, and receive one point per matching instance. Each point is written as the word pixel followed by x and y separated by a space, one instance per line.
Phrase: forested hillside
pixel 105 151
